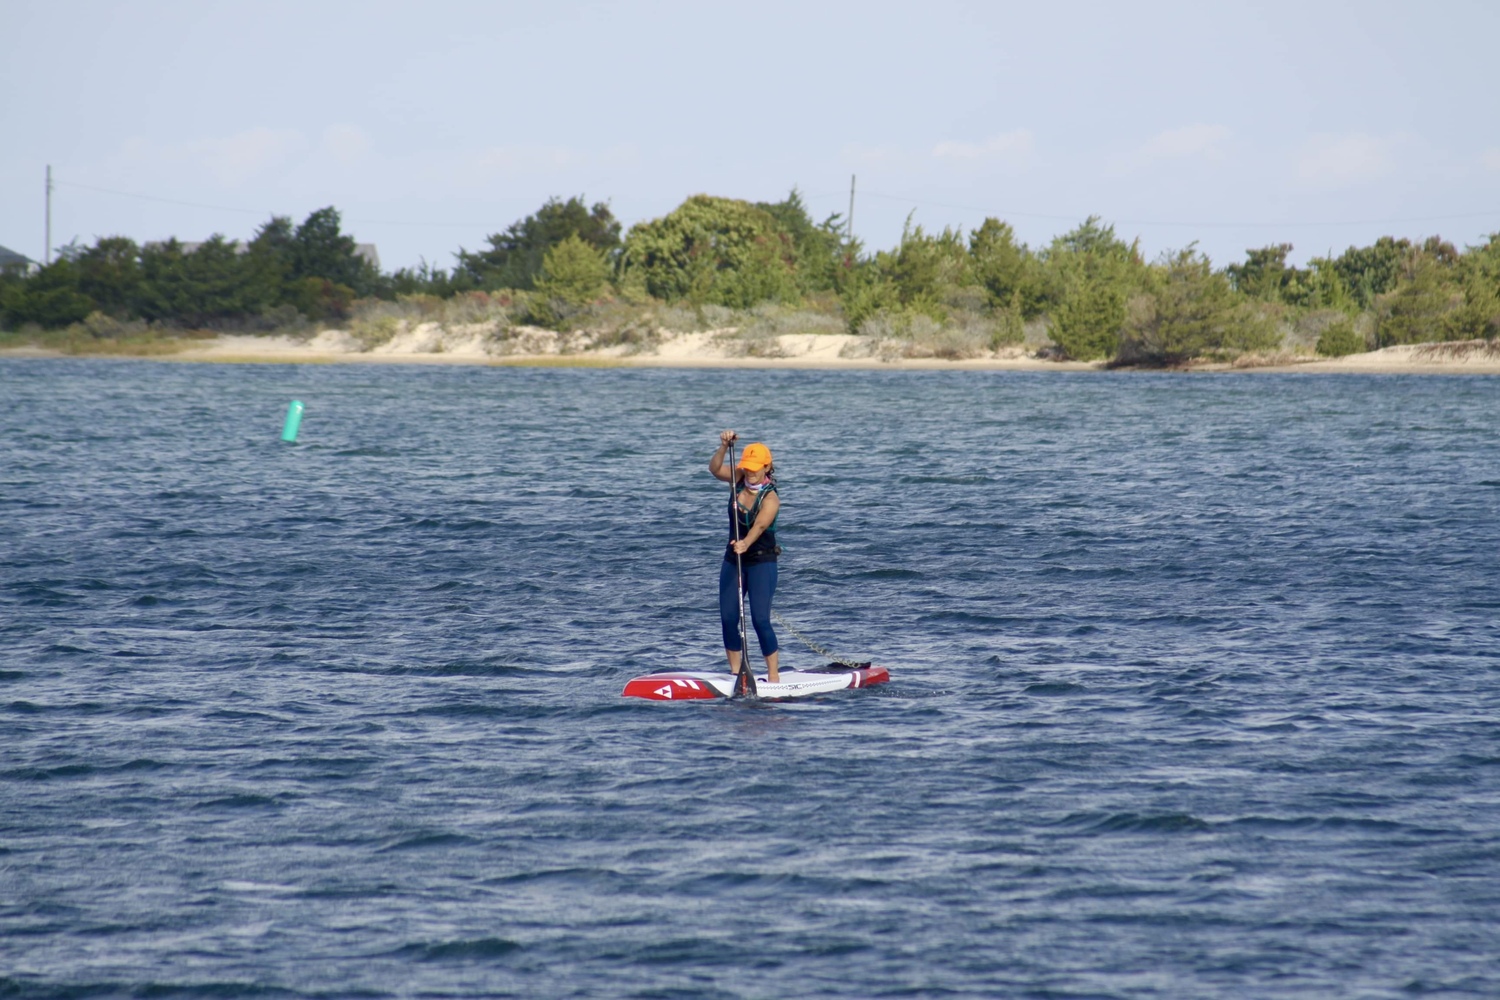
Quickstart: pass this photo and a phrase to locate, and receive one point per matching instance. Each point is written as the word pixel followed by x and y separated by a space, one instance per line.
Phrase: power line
pixel 254 211
pixel 1192 225
pixel 164 201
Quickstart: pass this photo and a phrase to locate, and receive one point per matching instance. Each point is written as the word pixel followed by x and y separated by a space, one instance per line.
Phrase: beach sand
pixel 430 344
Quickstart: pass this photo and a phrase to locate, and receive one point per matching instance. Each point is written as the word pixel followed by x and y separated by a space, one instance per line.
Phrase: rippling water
pixel 1195 686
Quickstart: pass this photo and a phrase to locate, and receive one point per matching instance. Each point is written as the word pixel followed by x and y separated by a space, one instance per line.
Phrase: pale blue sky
pixel 431 125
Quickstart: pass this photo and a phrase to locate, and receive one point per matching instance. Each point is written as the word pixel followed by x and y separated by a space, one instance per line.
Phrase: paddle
pixel 745 681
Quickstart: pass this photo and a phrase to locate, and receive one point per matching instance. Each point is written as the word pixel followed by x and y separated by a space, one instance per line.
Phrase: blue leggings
pixel 760 583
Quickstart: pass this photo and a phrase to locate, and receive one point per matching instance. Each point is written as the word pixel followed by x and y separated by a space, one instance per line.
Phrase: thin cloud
pixel 346 144
pixel 1333 160
pixel 508 158
pixel 1192 141
pixel 519 159
pixel 1490 158
pixel 231 160
pixel 1008 147
pixel 867 156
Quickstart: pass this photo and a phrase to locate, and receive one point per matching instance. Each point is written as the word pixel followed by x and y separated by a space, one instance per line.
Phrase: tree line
pixel 1092 292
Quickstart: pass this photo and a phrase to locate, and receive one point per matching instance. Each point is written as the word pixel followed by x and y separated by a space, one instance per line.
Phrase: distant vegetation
pixel 769 268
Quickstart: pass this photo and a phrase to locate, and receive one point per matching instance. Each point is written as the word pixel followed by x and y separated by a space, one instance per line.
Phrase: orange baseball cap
pixel 757 456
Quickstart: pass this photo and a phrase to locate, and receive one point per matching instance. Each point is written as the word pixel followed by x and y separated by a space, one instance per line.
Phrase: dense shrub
pixel 1009 273
pixel 1422 304
pixel 1090 311
pixel 573 274
pixel 50 298
pixel 515 257
pixel 1189 310
pixel 713 250
pixel 1089 275
pixel 818 249
pixel 1339 338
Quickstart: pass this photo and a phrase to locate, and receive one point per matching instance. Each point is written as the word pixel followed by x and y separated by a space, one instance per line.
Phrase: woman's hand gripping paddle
pixel 745 680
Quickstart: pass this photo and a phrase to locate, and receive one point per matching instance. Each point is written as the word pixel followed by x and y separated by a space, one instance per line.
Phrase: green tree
pixel 514 258
pixel 865 290
pixel 1320 286
pixel 1479 271
pixel 320 250
pixel 1090 275
pixel 49 298
pixel 1090 311
pixel 925 269
pixel 818 248
pixel 1422 304
pixel 573 274
pixel 12 284
pixel 1483 261
pixel 1264 274
pixel 1373 270
pixel 271 259
pixel 424 279
pixel 195 289
pixel 1010 322
pixel 1188 309
pixel 1005 268
pixel 1477 316
pixel 320 299
pixel 712 251
pixel 1340 338
pixel 109 273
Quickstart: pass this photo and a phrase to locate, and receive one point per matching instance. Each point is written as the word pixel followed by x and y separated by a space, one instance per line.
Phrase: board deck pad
pixel 686 685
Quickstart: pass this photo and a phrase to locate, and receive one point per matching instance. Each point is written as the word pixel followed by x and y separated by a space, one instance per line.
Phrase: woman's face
pixel 756 476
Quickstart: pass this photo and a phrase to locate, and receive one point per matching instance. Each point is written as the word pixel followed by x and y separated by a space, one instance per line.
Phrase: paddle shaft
pixel 746 684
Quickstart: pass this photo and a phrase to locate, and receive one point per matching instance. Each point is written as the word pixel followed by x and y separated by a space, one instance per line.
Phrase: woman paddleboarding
pixel 749 566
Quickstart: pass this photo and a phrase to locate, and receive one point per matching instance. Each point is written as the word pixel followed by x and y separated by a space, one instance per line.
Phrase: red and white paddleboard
pixel 681 685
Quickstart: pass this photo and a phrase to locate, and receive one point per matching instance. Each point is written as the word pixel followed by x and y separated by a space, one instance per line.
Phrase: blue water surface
pixel 1195 685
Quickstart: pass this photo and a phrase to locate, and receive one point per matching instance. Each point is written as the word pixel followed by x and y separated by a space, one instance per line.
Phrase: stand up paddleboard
pixel 681 685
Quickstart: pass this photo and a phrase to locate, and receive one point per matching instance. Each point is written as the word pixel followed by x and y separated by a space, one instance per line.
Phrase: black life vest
pixel 765 547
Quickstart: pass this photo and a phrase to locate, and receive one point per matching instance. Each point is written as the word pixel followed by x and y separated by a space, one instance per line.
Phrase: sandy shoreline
pixel 709 350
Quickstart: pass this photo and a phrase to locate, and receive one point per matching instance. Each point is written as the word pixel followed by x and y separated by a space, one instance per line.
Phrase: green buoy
pixel 293 421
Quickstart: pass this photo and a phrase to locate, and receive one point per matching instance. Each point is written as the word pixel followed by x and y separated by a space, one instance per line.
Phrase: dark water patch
pixel 346 892
pixel 694 951
pixel 368 452
pixel 338 765
pixel 240 715
pixel 477 950
pixel 37 987
pixel 34 595
pixel 1054 688
pixel 563 876
pixel 467 710
pixel 428 842
pixel 463 668
pixel 241 801
pixel 1134 823
pixel 888 573
pixel 761 883
pixel 61 772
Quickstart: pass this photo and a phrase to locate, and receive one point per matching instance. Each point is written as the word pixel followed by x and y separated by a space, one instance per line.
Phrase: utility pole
pixel 47 250
pixel 850 233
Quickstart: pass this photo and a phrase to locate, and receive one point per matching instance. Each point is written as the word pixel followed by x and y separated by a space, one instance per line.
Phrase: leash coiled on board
pixel 841 661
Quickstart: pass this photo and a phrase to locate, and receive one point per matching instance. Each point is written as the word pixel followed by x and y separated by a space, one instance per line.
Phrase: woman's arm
pixel 716 463
pixel 768 508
